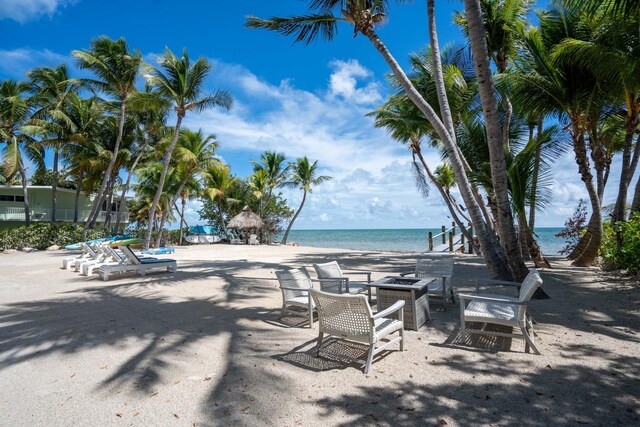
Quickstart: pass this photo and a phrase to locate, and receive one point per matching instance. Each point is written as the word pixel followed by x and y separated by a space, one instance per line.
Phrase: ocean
pixel 403 240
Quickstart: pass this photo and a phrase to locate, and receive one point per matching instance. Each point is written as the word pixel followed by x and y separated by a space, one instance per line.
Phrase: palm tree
pixel 194 153
pixel 302 175
pixel 259 182
pixel 364 16
pixel 181 82
pixel 14 112
pixel 115 68
pixel 272 164
pixel 52 92
pixel 218 183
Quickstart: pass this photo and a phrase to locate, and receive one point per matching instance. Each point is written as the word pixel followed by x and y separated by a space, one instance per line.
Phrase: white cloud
pixel 24 11
pixel 15 63
pixel 344 80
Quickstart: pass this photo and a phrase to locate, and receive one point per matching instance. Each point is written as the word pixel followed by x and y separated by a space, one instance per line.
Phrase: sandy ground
pixel 205 346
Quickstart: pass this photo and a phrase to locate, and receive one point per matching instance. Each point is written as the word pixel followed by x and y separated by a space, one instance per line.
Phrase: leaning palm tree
pixel 182 82
pixel 365 16
pixel 303 176
pixel 115 68
pixel 14 112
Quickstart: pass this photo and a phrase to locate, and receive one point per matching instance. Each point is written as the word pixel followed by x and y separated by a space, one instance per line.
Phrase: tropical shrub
pixel 628 257
pixel 574 228
pixel 41 235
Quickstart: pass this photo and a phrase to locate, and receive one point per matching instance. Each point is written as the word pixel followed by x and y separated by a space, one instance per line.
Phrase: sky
pixel 295 99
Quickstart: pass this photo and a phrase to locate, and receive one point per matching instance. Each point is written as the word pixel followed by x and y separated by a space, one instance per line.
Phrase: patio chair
pixel 295 285
pixel 139 265
pixel 502 310
pixel 439 268
pixel 333 279
pixel 350 317
pixel 253 239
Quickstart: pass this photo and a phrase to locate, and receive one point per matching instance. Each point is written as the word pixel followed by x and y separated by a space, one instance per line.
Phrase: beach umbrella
pixel 246 219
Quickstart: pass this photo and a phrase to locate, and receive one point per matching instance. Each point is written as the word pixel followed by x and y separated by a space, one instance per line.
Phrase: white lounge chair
pixel 101 257
pixel 139 265
pixel 295 285
pixel 502 310
pixel 333 279
pixel 350 317
pixel 439 268
pixel 87 254
pixel 253 239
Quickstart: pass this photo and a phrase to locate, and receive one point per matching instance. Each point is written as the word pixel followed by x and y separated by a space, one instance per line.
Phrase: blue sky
pixel 300 100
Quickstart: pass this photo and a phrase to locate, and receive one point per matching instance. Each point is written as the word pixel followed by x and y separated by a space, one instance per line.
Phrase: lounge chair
pixel 333 279
pixel 502 310
pixel 295 285
pixel 100 257
pixel 439 268
pixel 350 317
pixel 253 239
pixel 87 254
pixel 133 263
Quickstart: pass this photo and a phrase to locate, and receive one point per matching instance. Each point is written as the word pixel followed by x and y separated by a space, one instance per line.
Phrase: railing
pixel 62 215
pixel 450 240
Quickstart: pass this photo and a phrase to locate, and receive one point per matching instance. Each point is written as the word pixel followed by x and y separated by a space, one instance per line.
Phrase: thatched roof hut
pixel 246 219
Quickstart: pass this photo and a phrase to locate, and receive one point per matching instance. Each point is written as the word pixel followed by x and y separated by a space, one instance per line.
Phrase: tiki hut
pixel 246 220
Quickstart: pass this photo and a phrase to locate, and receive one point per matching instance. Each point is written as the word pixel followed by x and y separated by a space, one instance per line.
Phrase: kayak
pixel 124 242
pixel 159 251
pixel 78 246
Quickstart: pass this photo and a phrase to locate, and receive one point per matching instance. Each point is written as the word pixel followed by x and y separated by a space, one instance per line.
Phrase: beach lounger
pixel 134 263
pixel 99 256
pixel 87 254
pixel 350 317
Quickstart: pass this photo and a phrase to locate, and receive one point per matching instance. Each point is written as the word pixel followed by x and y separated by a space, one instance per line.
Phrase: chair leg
pixel 320 337
pixel 369 359
pixel 528 340
pixel 402 339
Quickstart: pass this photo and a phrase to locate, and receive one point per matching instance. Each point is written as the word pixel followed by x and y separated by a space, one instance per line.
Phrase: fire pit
pixel 413 291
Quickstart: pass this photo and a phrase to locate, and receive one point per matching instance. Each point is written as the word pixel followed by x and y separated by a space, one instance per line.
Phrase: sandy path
pixel 204 346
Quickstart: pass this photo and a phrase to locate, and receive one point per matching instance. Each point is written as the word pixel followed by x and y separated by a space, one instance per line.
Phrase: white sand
pixel 205 346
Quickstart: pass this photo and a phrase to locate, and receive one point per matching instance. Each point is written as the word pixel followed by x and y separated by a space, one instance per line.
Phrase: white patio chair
pixel 350 317
pixel 333 279
pixel 441 269
pixel 253 239
pixel 295 285
pixel 502 310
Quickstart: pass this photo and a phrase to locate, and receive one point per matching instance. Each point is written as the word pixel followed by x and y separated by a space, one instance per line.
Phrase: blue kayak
pixel 78 246
pixel 159 251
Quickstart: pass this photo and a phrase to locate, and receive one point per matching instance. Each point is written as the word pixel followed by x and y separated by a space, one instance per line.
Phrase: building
pixel 12 206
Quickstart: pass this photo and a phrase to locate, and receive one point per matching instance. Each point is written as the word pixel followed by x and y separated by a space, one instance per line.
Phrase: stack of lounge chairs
pixel 104 259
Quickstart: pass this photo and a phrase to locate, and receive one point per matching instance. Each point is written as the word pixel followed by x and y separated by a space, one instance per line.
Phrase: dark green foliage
pixel 574 228
pixel 628 257
pixel 41 235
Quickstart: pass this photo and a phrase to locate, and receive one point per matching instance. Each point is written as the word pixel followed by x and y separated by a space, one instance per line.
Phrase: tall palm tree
pixel 365 16
pixel 218 184
pixel 52 93
pixel 194 153
pixel 302 175
pixel 276 172
pixel 259 182
pixel 14 112
pixel 115 68
pixel 182 82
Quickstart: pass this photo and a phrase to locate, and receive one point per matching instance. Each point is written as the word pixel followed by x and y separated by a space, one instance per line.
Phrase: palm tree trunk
pixel 295 216
pixel 95 209
pixel 534 179
pixel 620 209
pixel 522 239
pixel 184 203
pixel 107 213
pixel 163 218
pixel 588 255
pixel 125 189
pixel 54 184
pixel 76 200
pixel 533 249
pixel 25 194
pixel 490 247
pixel 167 160
pixel 224 226
pixel 635 205
pixel 506 230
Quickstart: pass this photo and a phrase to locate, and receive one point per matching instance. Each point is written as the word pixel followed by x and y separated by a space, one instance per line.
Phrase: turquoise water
pixel 405 240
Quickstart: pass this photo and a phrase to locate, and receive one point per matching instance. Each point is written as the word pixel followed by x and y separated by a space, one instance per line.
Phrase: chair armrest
pixel 291 288
pixel 463 297
pixel 492 282
pixel 337 279
pixel 362 273
pixel 395 307
pixel 407 273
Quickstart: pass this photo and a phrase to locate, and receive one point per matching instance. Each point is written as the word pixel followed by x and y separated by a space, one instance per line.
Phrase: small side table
pixel 413 291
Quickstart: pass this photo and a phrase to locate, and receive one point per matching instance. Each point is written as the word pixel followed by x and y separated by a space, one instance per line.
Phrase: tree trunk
pixel 620 209
pixel 490 247
pixel 76 201
pixel 54 184
pixel 506 230
pixel 95 209
pixel 224 226
pixel 125 189
pixel 523 240
pixel 588 255
pixel 184 203
pixel 295 216
pixel 107 212
pixel 25 194
pixel 172 201
pixel 536 174
pixel 167 160
pixel 533 249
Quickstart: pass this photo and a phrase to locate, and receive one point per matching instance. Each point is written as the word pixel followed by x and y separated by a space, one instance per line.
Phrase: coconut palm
pixel 52 92
pixel 365 16
pixel 182 82
pixel 302 175
pixel 115 68
pixel 14 112
pixel 218 184
pixel 276 173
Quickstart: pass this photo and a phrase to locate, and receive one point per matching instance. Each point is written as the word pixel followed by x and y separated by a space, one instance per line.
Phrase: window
pixel 20 199
pixel 6 198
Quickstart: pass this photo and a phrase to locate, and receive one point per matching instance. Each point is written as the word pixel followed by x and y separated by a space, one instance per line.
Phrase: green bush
pixel 41 235
pixel 628 257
